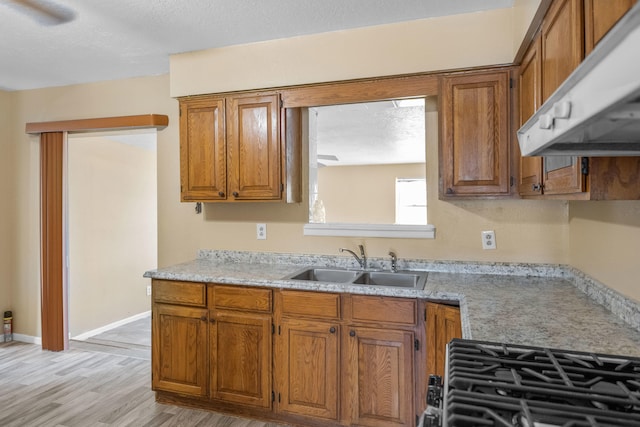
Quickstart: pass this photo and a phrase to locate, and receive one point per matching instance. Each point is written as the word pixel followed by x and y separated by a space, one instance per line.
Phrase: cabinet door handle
pixel 352 333
pixel 212 320
pixel 536 187
pixel 204 318
pixel 235 194
pixel 450 190
pixel 221 193
pixel 332 330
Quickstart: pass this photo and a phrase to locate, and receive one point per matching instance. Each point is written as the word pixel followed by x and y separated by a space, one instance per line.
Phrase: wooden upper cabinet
pixel 253 155
pixel 599 17
pixel 562 43
pixel 474 138
pixel 203 163
pixel 236 148
pixel 530 98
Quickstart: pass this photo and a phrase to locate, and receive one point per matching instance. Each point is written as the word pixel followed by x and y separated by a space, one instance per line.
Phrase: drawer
pixel 182 293
pixel 312 304
pixel 384 309
pixel 241 298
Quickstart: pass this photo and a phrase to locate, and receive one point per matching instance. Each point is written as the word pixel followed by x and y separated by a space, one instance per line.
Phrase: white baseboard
pixel 27 338
pixel 89 334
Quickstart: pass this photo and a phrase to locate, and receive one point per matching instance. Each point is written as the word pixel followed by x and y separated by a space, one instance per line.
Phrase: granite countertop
pixel 515 306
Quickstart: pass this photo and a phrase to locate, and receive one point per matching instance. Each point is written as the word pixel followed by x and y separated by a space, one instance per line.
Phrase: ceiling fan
pixel 45 12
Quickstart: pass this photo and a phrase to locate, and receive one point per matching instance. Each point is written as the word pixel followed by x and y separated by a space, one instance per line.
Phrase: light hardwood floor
pixel 80 387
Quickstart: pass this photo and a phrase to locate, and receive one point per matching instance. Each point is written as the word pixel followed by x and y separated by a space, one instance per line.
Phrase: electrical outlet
pixel 148 290
pixel 489 239
pixel 261 231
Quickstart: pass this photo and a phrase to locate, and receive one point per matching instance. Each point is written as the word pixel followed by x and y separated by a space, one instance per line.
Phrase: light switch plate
pixel 261 231
pixel 488 239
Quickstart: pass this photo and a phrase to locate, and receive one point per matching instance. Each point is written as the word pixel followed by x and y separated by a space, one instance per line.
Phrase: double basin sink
pixel 401 279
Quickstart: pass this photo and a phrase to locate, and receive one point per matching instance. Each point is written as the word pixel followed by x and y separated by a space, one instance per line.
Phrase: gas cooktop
pixel 494 384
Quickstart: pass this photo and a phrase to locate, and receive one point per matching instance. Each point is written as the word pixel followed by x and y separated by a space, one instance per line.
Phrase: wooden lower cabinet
pixel 380 376
pixel 443 324
pixel 240 358
pixel 179 349
pixel 308 368
pixel 301 357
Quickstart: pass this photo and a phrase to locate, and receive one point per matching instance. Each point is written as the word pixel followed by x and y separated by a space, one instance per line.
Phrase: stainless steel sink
pixel 404 279
pixel 400 279
pixel 325 275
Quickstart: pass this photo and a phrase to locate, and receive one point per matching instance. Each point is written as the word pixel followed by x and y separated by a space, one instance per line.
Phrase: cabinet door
pixel 529 85
pixel 179 350
pixel 308 372
pixel 443 325
pixel 241 358
pixel 562 52
pixel 599 17
pixel 381 377
pixel 254 152
pixel 475 134
pixel 203 171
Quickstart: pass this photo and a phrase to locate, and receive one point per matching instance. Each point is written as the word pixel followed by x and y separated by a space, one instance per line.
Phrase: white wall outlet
pixel 489 239
pixel 261 231
pixel 148 290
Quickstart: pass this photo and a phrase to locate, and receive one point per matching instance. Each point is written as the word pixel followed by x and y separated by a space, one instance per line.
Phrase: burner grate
pixel 497 384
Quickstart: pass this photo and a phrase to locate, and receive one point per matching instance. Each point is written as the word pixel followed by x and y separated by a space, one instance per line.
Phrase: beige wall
pixel 112 213
pixel 605 243
pixel 364 194
pixel 8 197
pixel 458 41
pixel 113 98
pixel 523 12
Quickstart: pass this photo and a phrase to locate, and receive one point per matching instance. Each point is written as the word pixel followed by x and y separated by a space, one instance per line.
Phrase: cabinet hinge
pixel 425 314
pixel 511 181
pixel 281 187
pixel 279 331
pixel 273 396
pixel 416 345
pixel 278 397
pixel 585 166
pixel 273 329
pixel 281 103
pixel 510 83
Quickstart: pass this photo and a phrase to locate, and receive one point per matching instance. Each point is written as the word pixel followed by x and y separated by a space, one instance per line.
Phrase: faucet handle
pixel 394 261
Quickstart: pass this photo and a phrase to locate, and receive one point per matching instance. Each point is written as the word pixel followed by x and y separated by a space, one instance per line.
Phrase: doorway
pixel 111 237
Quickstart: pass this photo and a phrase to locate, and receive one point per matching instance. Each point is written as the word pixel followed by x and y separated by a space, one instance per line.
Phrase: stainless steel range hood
pixel 596 111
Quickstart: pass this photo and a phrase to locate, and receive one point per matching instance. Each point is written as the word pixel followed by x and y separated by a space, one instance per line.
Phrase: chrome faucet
pixel 362 259
pixel 394 262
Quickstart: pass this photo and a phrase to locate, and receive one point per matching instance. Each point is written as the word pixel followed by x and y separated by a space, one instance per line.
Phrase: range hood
pixel 596 111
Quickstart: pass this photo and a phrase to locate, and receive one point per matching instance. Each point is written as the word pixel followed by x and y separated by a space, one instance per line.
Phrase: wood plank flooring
pixel 79 387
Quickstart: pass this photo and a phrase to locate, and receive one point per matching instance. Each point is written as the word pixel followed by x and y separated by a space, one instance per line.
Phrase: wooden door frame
pixel 53 292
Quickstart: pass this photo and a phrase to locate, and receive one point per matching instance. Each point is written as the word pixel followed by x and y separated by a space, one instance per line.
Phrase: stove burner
pixel 495 384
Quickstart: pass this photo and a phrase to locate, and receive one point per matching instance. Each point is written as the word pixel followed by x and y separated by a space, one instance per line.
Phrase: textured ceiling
pixel 114 39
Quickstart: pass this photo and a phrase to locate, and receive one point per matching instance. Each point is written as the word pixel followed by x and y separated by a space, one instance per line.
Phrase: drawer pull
pixel 352 333
pixel 332 330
